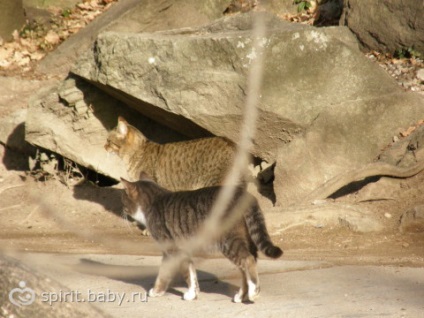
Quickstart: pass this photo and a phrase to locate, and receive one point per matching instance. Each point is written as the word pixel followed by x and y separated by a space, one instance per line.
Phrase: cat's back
pixel 219 147
pixel 177 215
pixel 194 164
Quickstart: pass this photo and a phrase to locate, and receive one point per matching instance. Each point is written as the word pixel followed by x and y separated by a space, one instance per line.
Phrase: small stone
pixel 319 202
pixel 405 245
pixel 387 215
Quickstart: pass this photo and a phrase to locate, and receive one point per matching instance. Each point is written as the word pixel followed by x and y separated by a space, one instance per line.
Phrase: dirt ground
pixel 49 216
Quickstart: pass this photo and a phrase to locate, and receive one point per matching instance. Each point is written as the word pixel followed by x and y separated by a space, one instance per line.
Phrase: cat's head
pixel 138 196
pixel 123 137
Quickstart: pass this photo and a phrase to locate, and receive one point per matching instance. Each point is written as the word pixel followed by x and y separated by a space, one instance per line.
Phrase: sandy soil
pixel 48 216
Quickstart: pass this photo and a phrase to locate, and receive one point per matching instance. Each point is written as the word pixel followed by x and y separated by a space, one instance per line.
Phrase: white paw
pixel 253 294
pixel 191 294
pixel 153 293
pixel 240 297
pixel 145 232
pixel 253 290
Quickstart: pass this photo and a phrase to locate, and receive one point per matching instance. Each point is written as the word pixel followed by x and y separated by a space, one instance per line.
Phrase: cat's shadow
pixel 108 197
pixel 145 276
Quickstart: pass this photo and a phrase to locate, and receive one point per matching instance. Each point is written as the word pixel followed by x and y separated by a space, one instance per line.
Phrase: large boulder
pixel 133 16
pixel 201 74
pixel 324 107
pixel 386 26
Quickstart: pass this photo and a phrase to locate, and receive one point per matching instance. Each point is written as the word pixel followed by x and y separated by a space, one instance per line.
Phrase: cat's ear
pixel 130 187
pixel 122 126
pixel 144 176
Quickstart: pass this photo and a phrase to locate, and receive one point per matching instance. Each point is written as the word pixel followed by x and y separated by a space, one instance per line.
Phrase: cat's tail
pixel 258 232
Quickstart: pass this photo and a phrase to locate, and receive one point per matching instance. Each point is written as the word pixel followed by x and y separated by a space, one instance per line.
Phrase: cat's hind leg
pixel 241 295
pixel 236 250
pixel 252 277
pixel 249 289
pixel 190 276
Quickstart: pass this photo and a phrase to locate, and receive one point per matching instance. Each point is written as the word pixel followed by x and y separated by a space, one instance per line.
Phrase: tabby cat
pixel 172 217
pixel 185 165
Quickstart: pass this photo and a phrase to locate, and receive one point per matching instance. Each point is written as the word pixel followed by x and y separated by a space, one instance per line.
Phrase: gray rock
pixel 132 16
pixel 320 104
pixel 323 214
pixel 205 80
pixel 387 25
pixel 413 220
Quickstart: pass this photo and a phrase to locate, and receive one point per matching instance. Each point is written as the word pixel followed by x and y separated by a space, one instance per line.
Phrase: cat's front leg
pixel 191 278
pixel 166 273
pixel 161 285
pixel 156 293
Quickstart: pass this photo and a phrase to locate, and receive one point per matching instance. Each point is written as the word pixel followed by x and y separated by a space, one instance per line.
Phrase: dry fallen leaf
pixel 20 59
pixel 411 129
pixel 5 53
pixel 52 37
pixel 36 56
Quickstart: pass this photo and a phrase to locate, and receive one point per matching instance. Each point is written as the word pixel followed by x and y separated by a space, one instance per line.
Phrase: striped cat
pixel 184 165
pixel 172 217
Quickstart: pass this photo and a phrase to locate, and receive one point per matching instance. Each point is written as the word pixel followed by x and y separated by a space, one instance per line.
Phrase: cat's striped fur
pixel 184 165
pixel 172 217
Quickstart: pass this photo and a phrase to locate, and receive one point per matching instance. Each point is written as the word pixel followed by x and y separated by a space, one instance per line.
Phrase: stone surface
pixel 132 16
pixel 205 81
pixel 322 214
pixel 387 25
pixel 323 107
pixel 413 220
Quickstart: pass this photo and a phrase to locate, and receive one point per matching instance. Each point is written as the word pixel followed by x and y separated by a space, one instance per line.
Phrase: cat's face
pixel 130 205
pixel 117 137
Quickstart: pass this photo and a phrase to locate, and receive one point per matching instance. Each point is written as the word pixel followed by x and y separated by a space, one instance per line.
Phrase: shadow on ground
pixel 108 197
pixel 145 276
